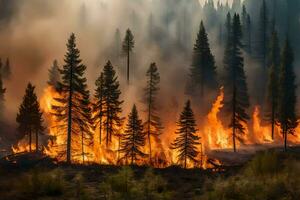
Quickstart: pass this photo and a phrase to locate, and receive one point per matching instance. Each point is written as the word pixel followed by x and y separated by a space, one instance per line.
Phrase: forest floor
pixel 59 181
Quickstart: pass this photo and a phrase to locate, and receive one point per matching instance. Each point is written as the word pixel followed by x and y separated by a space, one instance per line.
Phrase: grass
pixel 268 176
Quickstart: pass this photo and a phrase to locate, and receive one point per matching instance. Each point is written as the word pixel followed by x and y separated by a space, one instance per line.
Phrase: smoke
pixel 35 32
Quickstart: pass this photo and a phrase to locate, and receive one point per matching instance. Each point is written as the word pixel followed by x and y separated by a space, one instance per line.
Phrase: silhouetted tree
pixel 235 86
pixel 128 45
pixel 6 70
pixel 186 140
pixel 262 46
pixel 153 124
pixel 2 93
pixel 112 107
pixel 203 70
pixel 29 117
pixel 99 105
pixel 134 138
pixel 117 44
pixel 73 104
pixel 54 75
pixel 287 94
pixel 273 84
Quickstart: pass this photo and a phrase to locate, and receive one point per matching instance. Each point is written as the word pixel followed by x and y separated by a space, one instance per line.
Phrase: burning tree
pixel 98 105
pixel 273 84
pixel 134 138
pixel 73 107
pixel 186 141
pixel 128 45
pixel 203 70
pixel 287 94
pixel 29 117
pixel 153 124
pixel 112 103
pixel 235 86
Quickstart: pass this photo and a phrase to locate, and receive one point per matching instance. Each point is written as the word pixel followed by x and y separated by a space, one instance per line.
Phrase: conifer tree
pixel 118 43
pixel 235 86
pixel 287 94
pixel 2 93
pixel 6 70
pixel 249 34
pixel 186 141
pixel 203 70
pixel 228 27
pixel 54 75
pixel 73 109
pixel 153 124
pixel 134 138
pixel 99 105
pixel 262 47
pixel 112 103
pixel 273 84
pixel 29 117
pixel 128 45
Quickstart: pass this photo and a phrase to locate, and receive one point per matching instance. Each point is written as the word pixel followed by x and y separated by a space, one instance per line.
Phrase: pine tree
pixel 228 27
pixel 73 110
pixel 54 75
pixel 272 97
pixel 128 45
pixel 153 123
pixel 112 108
pixel 262 47
pixel 134 138
pixel 117 45
pixel 235 86
pixel 186 140
pixel 203 70
pixel 249 34
pixel 29 117
pixel 6 70
pixel 287 94
pixel 2 93
pixel 99 105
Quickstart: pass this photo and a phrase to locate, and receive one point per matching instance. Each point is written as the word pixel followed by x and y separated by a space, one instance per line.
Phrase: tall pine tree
pixel 2 93
pixel 186 141
pixel 273 84
pixel 54 75
pixel 235 86
pixel 99 105
pixel 203 70
pixel 133 139
pixel 72 111
pixel 29 117
pixel 287 94
pixel 153 124
pixel 112 103
pixel 128 45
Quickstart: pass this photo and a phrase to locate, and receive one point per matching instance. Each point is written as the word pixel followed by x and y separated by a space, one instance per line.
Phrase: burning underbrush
pixel 215 136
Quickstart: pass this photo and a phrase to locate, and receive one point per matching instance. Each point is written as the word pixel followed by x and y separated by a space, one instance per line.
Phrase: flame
pixel 213 133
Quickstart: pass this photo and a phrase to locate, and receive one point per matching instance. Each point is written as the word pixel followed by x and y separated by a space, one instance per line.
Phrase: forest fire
pixel 214 136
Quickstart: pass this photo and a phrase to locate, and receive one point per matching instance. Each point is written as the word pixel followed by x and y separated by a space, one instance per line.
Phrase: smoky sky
pixel 33 33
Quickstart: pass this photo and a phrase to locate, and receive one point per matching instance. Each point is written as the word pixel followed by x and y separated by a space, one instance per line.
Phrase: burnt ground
pixel 181 183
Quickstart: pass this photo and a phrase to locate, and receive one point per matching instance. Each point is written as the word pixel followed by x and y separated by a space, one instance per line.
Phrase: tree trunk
pixel 70 104
pixel 30 140
pixel 36 141
pixel 128 62
pixel 100 129
pixel 82 147
pixel 273 120
pixel 285 138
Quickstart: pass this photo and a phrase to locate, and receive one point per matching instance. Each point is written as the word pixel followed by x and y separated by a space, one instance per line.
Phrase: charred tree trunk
pixel 70 104
pixel 30 140
pixel 36 141
pixel 128 62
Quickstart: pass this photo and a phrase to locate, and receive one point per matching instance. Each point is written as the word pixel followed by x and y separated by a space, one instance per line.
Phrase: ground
pixel 46 180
